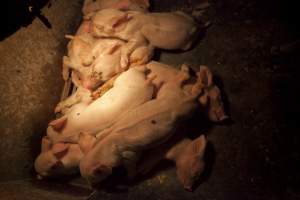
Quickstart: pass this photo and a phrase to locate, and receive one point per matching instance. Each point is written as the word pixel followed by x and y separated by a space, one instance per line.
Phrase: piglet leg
pixel 86 142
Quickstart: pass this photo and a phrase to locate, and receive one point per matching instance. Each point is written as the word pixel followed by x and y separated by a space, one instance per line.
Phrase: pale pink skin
pixel 81 96
pixel 79 56
pixel 212 95
pixel 176 30
pixel 95 61
pixel 57 159
pixel 189 159
pixel 101 113
pixel 126 143
pixel 91 6
pixel 144 127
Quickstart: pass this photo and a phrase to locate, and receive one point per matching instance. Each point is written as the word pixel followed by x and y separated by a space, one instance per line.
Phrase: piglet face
pixel 49 162
pixel 190 163
pixel 212 102
pixel 45 163
pixel 190 172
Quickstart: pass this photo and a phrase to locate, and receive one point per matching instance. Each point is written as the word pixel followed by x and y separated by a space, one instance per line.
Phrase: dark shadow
pixel 114 183
pixel 119 182
pixel 198 125
pixel 156 55
pixel 285 88
pixel 62 186
pixel 17 14
pixel 34 143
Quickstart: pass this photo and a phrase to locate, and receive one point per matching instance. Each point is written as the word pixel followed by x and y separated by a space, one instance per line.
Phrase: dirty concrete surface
pixel 251 46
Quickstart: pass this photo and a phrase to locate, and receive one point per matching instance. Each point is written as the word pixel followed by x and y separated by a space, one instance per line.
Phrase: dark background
pixel 252 47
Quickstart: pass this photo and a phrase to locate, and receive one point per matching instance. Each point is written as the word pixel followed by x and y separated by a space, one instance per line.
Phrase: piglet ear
pixel 117 21
pixel 60 150
pixel 205 76
pixel 59 124
pixel 198 146
pixel 46 144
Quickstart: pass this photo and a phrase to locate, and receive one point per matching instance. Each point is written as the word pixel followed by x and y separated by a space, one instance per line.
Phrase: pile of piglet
pixel 127 110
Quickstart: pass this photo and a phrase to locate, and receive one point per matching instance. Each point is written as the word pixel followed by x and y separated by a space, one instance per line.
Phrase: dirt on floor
pixel 251 46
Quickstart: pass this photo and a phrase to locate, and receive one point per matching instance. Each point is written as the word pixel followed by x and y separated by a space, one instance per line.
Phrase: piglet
pixel 141 128
pixel 174 30
pixel 189 159
pixel 210 101
pixel 57 159
pixel 125 95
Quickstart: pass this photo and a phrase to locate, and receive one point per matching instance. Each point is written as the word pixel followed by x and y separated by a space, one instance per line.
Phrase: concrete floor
pixel 252 47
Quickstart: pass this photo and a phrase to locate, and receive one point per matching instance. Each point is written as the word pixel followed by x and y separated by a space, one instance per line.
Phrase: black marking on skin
pixel 153 122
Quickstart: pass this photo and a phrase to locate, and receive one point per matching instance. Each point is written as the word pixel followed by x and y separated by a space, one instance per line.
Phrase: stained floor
pixel 251 46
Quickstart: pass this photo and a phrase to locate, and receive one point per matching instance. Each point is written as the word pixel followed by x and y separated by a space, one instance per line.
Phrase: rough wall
pixel 30 85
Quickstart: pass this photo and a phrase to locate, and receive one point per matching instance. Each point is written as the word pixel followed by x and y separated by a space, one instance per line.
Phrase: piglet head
pixel 210 100
pixel 215 110
pixel 107 22
pixel 190 164
pixel 49 162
